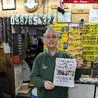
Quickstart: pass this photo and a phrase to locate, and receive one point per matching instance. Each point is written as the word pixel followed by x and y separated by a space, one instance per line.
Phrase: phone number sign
pixel 32 19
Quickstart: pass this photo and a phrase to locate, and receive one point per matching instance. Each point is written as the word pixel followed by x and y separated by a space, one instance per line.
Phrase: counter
pixel 84 90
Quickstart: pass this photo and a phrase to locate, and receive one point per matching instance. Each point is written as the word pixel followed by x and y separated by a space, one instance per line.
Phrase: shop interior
pixel 22 25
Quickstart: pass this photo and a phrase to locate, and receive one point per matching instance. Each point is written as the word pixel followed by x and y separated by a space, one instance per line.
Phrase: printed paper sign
pixel 64 72
pixel 93 15
pixel 66 17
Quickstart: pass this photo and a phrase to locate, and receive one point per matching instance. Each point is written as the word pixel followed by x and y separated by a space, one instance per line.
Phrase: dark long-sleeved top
pixel 43 69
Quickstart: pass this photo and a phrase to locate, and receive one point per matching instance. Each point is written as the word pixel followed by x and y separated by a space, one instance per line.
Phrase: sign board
pixel 64 72
pixel 93 15
pixel 39 19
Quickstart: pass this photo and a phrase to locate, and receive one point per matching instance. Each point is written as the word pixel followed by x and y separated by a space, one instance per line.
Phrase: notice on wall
pixel 90 41
pixel 93 15
pixel 64 72
pixel 66 17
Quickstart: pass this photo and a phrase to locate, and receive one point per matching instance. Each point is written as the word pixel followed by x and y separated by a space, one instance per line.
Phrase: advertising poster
pixel 64 72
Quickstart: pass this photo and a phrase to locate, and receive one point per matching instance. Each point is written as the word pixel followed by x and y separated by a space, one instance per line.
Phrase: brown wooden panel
pixel 95 6
pixel 9 68
pixel 80 11
pixel 77 17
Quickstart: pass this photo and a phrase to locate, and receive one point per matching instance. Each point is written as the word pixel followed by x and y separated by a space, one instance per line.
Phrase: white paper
pixel 6 48
pixel 93 15
pixel 66 17
pixel 64 72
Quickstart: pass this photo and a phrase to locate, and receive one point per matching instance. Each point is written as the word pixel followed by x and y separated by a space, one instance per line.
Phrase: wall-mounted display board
pixel 90 41
pixel 74 39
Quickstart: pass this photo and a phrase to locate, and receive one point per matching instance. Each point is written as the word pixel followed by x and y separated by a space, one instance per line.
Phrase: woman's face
pixel 51 39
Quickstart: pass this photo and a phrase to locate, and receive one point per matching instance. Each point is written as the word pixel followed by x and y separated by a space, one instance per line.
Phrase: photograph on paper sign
pixel 64 72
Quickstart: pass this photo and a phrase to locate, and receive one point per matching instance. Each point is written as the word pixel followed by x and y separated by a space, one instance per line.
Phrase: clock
pixel 31 5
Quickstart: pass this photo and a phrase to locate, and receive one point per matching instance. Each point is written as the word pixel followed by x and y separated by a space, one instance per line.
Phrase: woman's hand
pixel 48 85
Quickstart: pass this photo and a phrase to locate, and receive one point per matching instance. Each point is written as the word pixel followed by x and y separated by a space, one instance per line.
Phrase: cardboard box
pixel 24 88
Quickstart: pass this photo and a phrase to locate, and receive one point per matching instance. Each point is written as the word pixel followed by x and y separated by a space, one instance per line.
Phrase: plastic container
pixel 34 93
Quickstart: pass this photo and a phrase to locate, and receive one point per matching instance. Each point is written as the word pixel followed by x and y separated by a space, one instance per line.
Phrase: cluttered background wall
pixel 43 6
pixel 79 11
